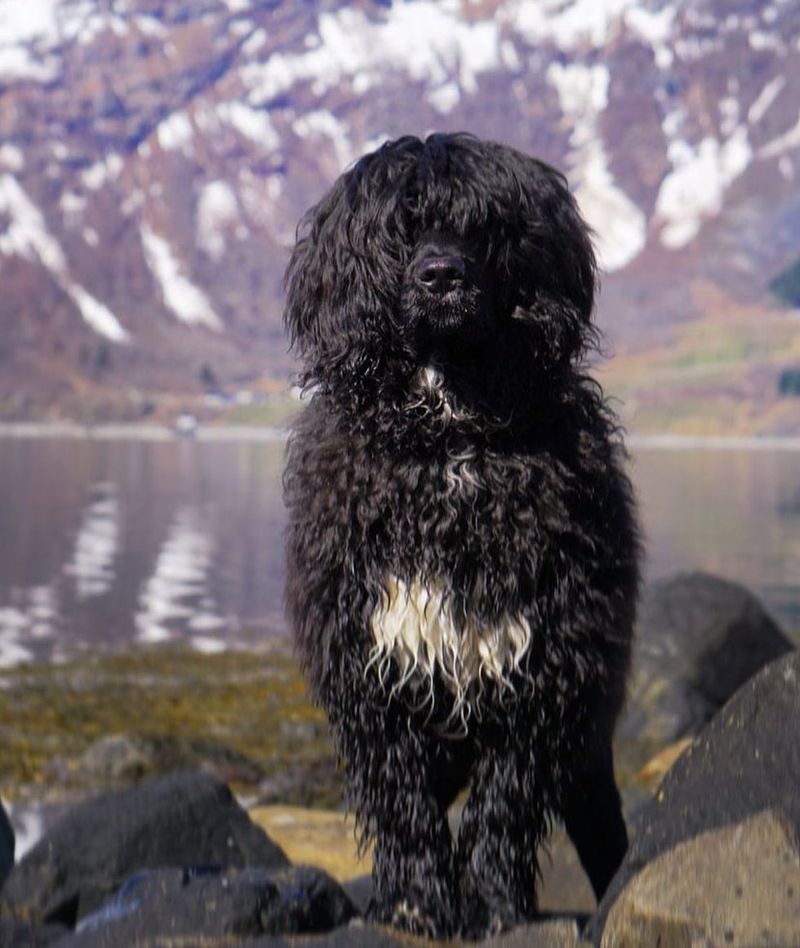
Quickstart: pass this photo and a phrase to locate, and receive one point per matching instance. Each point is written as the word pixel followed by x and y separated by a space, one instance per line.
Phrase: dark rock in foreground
pixel 699 638
pixel 182 820
pixel 746 761
pixel 17 934
pixel 203 905
pixel 6 845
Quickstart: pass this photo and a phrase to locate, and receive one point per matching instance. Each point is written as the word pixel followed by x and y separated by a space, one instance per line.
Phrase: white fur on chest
pixel 414 627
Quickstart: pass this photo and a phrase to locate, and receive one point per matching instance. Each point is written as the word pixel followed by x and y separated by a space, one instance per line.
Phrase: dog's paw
pixel 413 919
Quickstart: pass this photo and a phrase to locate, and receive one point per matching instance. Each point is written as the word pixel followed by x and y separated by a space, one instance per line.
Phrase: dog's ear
pixel 559 261
pixel 342 275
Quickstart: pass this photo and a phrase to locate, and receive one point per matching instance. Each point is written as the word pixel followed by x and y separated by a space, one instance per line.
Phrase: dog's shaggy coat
pixel 462 548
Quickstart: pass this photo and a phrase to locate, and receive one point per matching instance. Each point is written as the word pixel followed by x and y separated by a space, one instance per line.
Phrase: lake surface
pixel 106 543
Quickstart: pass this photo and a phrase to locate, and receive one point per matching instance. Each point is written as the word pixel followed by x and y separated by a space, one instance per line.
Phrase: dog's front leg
pixel 503 823
pixel 391 768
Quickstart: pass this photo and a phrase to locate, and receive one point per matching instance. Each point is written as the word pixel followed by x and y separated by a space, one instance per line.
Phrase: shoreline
pixel 74 431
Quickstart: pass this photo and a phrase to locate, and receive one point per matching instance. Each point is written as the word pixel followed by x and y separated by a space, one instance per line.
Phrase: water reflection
pixel 175 594
pixel 96 544
pixel 110 543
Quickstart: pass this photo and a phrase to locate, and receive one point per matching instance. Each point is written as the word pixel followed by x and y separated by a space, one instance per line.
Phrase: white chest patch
pixel 414 628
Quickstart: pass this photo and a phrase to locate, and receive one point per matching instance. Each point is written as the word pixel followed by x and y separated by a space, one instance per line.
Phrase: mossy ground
pixel 252 705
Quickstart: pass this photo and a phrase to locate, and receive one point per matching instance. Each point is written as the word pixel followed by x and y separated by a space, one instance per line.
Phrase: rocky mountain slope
pixel 155 156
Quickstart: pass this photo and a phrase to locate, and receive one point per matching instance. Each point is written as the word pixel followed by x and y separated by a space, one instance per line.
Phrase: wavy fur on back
pixel 462 547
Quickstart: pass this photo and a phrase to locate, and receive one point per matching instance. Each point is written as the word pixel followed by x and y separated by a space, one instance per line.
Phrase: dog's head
pixel 433 251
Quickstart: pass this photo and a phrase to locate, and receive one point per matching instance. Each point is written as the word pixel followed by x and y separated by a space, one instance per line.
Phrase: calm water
pixel 107 543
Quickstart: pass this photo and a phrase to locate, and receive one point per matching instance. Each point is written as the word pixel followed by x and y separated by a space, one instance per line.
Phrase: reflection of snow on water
pixel 29 614
pixel 96 544
pixel 175 594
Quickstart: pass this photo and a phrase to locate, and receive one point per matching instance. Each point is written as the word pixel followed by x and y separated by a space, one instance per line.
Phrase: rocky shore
pixel 168 839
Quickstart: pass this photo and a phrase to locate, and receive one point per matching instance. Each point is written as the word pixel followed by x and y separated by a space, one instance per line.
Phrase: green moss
pixel 253 704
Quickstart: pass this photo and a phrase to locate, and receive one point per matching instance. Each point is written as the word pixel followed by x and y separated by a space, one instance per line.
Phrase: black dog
pixel 462 549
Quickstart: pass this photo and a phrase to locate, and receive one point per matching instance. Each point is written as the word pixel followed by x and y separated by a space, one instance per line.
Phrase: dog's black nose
pixel 440 274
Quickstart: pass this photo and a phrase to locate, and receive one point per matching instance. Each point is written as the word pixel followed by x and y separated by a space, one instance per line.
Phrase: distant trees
pixel 789 382
pixel 208 378
pixel 786 285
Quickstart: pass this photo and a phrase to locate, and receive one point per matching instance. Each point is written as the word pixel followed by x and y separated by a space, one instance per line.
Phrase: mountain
pixel 156 155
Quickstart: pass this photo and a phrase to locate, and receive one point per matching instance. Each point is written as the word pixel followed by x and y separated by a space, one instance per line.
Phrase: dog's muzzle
pixel 440 274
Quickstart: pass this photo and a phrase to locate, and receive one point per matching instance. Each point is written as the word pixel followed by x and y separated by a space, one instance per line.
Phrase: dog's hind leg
pixel 592 814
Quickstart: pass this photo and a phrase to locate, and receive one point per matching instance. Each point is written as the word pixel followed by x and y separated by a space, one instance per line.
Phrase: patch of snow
pixel 783 143
pixel 91 564
pixel 217 209
pixel 693 48
pixel 760 39
pixel 764 99
pixel 96 176
pixel 786 167
pixel 27 30
pixel 510 56
pixel 430 42
pixel 18 63
pixel 693 191
pixel 98 316
pixel 672 123
pixel 27 234
pixel 254 124
pixel 132 202
pixel 241 27
pixel 655 29
pixel 237 6
pixel 175 132
pixel 72 205
pixel 254 43
pixel 188 303
pixel 445 98
pixel 12 157
pixel 151 26
pixel 568 25
pixel 86 29
pixel 620 227
pixel 91 236
pixel 323 123
pixel 26 22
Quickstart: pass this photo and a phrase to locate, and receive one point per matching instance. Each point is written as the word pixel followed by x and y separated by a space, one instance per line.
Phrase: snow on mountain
pixel 155 159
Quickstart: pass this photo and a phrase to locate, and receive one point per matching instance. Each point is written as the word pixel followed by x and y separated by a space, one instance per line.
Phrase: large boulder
pixel 181 820
pixel 201 906
pixel 750 891
pixel 699 638
pixel 746 761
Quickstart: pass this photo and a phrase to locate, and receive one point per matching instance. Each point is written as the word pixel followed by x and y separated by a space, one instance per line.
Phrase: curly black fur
pixel 440 299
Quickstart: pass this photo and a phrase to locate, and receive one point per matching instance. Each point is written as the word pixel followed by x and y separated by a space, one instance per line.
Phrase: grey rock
pixel 699 638
pixel 191 905
pixel 745 761
pixel 182 820
pixel 737 885
pixel 6 845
